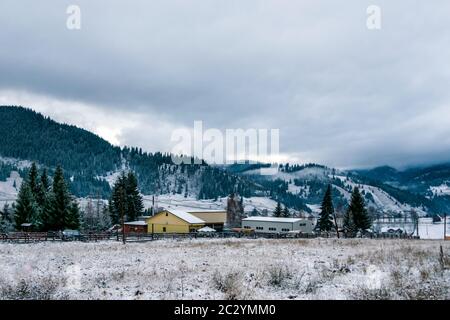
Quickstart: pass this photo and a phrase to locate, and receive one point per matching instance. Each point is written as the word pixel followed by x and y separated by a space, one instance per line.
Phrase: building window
pixel 167 214
pixel 247 227
pixel 259 228
pixel 302 224
pixel 285 230
pixel 164 229
pixel 272 229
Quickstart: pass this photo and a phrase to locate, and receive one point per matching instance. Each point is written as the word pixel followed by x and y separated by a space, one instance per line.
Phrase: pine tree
pixel 43 189
pixel 325 223
pixel 278 212
pixel 72 219
pixel 33 180
pixel 118 202
pixel 125 197
pixel 6 219
pixel 286 213
pixel 135 203
pixel 46 222
pixel 356 216
pixel 62 211
pixel 26 209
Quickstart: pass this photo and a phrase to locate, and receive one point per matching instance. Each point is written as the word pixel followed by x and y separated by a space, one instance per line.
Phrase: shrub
pixel 229 284
pixel 30 289
pixel 278 276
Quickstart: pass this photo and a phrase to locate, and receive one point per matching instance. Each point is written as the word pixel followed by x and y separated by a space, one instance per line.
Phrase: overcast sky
pixel 341 94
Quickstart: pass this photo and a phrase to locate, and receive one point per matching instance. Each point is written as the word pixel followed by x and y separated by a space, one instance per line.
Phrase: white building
pixel 277 225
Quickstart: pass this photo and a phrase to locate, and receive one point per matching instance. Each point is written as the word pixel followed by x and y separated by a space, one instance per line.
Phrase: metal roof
pixel 272 219
pixel 186 216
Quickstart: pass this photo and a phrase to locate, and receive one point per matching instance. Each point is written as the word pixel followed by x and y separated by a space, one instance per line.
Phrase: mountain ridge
pixel 91 163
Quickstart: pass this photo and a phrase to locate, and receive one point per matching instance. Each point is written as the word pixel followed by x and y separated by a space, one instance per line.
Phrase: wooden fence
pixel 27 237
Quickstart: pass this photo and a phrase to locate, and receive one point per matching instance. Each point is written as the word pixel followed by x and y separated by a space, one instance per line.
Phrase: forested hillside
pixel 91 163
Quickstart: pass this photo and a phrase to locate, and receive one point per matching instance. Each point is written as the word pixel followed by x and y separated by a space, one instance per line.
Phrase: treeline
pixel 29 135
pixel 216 183
pixel 298 167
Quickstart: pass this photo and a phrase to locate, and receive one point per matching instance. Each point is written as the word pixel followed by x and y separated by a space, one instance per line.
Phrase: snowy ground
pixel 227 269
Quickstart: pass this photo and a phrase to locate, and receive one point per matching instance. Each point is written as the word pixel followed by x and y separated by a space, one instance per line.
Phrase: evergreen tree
pixel 26 209
pixel 135 204
pixel 72 219
pixel 33 180
pixel 43 189
pixel 118 202
pixel 6 219
pixel 278 212
pixel 62 211
pixel 286 213
pixel 126 199
pixel 356 216
pixel 325 223
pixel 46 222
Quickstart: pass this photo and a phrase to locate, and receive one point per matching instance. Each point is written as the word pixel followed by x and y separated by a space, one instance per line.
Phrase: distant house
pixel 277 225
pixel 214 219
pixel 174 221
pixel 393 230
pixel 136 227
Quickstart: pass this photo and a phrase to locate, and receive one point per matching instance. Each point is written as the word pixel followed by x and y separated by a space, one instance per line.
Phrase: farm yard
pixel 227 269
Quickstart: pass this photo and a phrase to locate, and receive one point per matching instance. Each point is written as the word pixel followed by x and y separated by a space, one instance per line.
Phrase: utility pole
pixel 445 225
pixel 122 198
pixel 335 224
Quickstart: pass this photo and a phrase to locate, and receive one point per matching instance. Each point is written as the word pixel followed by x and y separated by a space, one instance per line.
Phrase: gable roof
pixel 183 215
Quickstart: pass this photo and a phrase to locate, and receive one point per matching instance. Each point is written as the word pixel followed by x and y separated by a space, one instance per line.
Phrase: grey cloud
pixel 341 94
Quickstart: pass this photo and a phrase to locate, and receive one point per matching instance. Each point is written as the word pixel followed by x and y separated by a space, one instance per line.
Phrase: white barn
pixel 277 225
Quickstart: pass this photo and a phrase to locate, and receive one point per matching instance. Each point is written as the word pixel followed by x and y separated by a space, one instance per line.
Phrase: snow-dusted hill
pixel 10 188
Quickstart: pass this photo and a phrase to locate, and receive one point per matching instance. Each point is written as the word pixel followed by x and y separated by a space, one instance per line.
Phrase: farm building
pixel 277 225
pixel 213 218
pixel 136 227
pixel 174 221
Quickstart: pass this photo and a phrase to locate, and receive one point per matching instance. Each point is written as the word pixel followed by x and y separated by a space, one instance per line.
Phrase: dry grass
pixel 230 269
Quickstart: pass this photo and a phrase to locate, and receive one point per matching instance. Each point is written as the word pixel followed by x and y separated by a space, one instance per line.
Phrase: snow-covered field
pixel 227 268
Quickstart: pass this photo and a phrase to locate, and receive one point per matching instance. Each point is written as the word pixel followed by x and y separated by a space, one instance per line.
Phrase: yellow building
pixel 215 219
pixel 174 221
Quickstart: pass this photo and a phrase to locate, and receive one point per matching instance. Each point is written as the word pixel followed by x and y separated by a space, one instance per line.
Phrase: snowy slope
pixel 8 193
pixel 381 199
pixel 441 190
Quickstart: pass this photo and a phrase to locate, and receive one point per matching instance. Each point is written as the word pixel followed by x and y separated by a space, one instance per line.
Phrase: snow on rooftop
pixel 136 223
pixel 205 211
pixel 186 216
pixel 272 219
